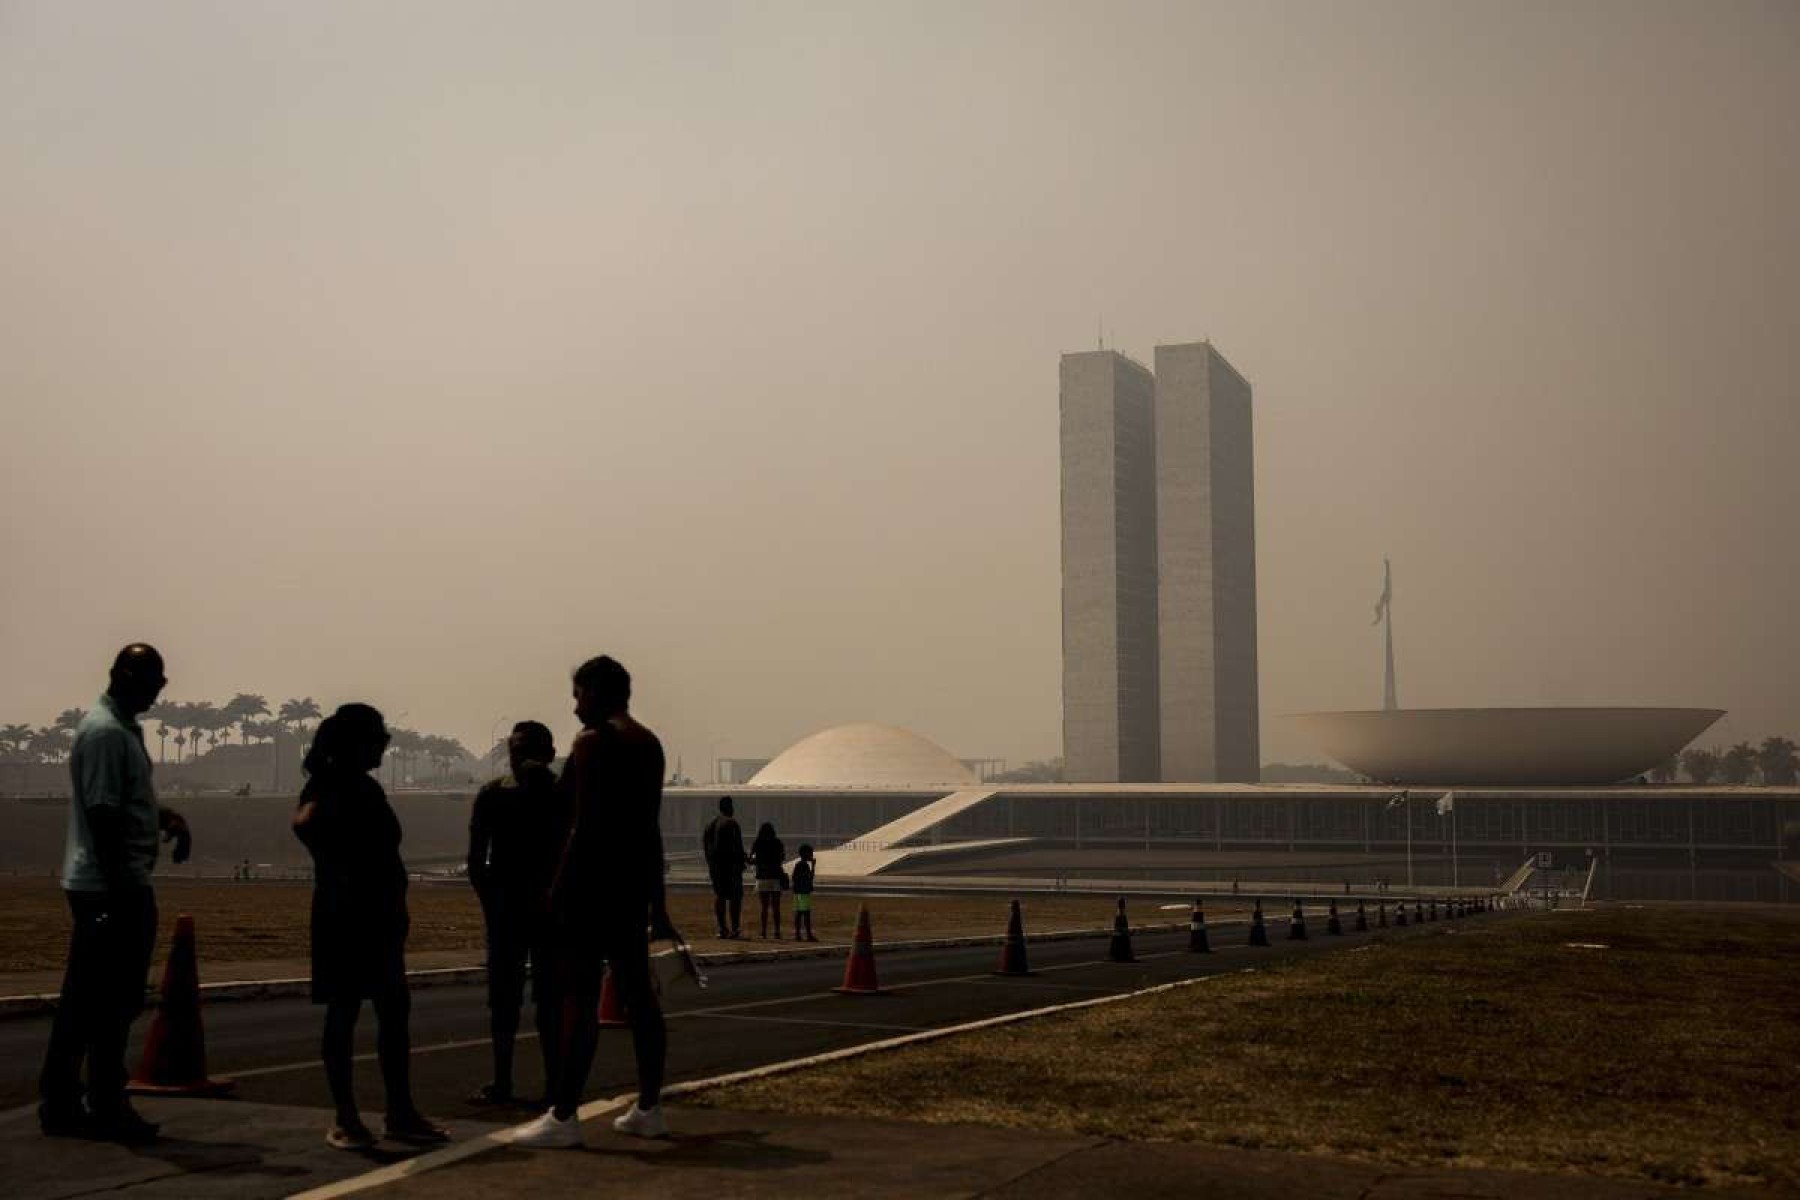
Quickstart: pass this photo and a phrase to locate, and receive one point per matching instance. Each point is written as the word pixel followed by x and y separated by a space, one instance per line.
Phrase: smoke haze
pixel 414 352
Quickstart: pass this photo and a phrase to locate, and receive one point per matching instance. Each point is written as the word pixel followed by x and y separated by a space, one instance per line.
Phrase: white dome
pixel 864 754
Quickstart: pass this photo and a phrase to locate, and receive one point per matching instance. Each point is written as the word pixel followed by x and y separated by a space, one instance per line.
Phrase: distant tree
pixel 204 720
pixel 1664 772
pixel 13 741
pixel 51 744
pixel 163 713
pixel 242 708
pixel 259 731
pixel 1738 765
pixel 1776 762
pixel 296 713
pixel 1701 764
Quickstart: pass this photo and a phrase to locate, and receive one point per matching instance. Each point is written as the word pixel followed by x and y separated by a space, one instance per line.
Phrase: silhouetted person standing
pixel 359 920
pixel 608 900
pixel 768 852
pixel 109 854
pixel 516 832
pixel 723 846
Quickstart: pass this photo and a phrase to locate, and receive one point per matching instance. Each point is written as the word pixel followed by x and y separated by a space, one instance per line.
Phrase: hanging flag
pixel 1398 798
pixel 1446 804
pixel 1387 592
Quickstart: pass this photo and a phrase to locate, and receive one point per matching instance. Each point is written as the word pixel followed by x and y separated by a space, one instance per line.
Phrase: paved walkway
pixel 718 1153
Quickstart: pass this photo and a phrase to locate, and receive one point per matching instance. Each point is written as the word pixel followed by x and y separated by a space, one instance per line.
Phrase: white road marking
pixel 489 1141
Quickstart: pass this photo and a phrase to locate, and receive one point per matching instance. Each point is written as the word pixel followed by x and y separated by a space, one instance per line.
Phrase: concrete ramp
pixel 881 848
pixel 842 864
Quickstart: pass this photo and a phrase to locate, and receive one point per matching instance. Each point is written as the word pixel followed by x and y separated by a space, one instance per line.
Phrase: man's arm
pixel 574 784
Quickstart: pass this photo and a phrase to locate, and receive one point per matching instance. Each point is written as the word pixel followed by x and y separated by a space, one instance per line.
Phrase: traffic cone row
pixel 1012 951
pixel 612 1011
pixel 1259 934
pixel 1119 950
pixel 1197 941
pixel 859 970
pixel 174 1061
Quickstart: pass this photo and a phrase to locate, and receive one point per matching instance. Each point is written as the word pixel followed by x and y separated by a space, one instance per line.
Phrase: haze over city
pixel 414 353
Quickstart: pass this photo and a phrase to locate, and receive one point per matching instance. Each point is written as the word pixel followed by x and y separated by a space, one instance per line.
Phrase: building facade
pixel 1206 568
pixel 1109 589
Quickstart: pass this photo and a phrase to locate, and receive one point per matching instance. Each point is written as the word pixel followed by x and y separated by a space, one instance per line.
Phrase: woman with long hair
pixel 767 853
pixel 359 920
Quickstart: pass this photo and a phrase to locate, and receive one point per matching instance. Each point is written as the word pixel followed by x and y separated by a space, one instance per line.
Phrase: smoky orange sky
pixel 413 352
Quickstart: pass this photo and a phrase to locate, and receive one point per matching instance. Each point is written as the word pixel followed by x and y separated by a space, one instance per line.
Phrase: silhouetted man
pixel 723 845
pixel 110 852
pixel 608 900
pixel 516 832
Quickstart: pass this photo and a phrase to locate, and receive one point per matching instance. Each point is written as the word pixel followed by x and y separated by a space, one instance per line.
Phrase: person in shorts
pixel 803 895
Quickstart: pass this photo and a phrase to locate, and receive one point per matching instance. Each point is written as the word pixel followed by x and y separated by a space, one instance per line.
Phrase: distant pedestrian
pixel 767 853
pixel 607 902
pixel 110 852
pixel 516 832
pixel 803 895
pixel 723 846
pixel 359 921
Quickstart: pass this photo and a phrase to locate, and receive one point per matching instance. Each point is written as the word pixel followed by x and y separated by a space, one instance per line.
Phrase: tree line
pixel 198 727
pixel 1775 763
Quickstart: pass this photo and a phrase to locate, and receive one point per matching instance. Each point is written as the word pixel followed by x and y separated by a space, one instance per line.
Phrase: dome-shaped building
pixel 864 755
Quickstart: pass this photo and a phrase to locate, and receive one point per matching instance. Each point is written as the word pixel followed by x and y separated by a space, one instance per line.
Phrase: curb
pixel 232 991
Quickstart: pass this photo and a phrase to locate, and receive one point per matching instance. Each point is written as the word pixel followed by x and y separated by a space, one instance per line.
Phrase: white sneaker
pixel 642 1122
pixel 549 1133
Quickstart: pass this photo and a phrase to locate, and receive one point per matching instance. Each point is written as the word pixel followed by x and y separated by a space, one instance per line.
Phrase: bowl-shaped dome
pixel 1506 747
pixel 864 755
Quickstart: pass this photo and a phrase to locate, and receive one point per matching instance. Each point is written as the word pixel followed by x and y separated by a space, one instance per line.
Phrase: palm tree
pixel 1738 764
pixel 203 717
pixel 51 744
pixel 15 738
pixel 163 713
pixel 69 719
pixel 1775 759
pixel 1700 764
pixel 244 706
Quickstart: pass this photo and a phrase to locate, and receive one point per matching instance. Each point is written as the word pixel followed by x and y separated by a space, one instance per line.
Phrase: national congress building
pixel 1158 569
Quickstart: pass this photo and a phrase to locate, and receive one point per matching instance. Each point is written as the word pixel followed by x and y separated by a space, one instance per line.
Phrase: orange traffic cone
pixel 1362 918
pixel 859 970
pixel 1297 924
pixel 1198 942
pixel 1012 953
pixel 1381 915
pixel 612 1012
pixel 1334 925
pixel 1259 933
pixel 1119 950
pixel 1400 914
pixel 174 1062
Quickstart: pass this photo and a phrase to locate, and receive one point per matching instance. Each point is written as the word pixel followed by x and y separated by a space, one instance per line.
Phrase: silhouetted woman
pixel 767 853
pixel 359 920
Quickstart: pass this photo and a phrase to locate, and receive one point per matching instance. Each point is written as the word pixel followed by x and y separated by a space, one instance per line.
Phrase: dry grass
pixel 1672 1055
pixel 248 922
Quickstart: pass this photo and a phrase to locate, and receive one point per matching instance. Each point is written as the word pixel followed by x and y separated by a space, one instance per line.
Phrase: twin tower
pixel 1158 569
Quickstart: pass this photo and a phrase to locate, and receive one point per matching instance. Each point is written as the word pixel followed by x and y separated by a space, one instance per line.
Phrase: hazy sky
pixel 413 352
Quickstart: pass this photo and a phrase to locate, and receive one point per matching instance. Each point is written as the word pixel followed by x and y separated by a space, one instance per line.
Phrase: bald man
pixel 110 852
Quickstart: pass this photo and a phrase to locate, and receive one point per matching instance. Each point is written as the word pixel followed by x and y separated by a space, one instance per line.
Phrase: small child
pixel 803 894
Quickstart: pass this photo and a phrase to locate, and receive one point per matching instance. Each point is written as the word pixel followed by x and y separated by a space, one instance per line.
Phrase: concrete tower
pixel 1206 568
pixel 1109 553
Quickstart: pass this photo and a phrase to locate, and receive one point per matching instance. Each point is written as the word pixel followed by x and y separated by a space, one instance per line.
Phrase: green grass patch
pixel 1671 1055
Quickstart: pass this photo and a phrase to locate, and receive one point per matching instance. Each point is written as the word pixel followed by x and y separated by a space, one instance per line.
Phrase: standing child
pixel 803 894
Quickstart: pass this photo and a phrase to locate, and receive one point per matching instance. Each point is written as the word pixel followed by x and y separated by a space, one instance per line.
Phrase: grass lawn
pixel 1652 1043
pixel 246 922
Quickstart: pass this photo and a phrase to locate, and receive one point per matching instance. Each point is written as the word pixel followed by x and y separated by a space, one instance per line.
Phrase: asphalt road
pixel 753 1013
